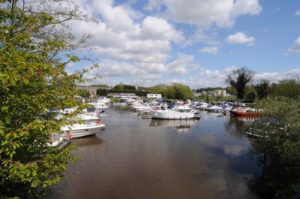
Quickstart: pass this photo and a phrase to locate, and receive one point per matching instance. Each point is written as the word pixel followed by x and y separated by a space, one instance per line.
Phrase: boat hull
pixel 72 132
pixel 172 115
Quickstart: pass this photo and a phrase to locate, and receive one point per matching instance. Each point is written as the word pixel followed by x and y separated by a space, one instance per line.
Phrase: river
pixel 136 158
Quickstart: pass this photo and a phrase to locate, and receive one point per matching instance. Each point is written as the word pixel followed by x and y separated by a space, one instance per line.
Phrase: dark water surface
pixel 135 159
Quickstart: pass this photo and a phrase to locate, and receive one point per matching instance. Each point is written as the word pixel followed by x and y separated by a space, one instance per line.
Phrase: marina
pixel 149 99
pixel 148 158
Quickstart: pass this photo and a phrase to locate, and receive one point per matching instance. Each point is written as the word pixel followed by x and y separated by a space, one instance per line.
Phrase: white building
pixel 153 96
pixel 215 93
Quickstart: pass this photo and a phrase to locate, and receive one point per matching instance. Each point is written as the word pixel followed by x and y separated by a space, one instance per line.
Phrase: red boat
pixel 246 111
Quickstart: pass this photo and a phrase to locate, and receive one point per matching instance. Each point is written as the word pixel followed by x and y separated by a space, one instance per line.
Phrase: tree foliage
pixel 287 88
pixel 262 89
pixel 277 147
pixel 33 80
pixel 239 79
pixel 174 91
pixel 123 88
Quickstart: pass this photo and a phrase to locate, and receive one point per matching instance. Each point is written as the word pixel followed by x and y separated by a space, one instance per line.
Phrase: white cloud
pixel 297 12
pixel 117 35
pixel 276 76
pixel 159 29
pixel 241 38
pixel 217 78
pixel 142 72
pixel 210 50
pixel 182 64
pixel 205 13
pixel 296 46
pixel 206 37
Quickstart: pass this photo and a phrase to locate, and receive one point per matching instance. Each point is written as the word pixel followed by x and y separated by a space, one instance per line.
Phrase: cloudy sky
pixel 196 42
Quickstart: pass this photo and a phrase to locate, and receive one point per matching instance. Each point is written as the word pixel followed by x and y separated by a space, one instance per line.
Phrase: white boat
pixel 90 125
pixel 101 103
pixel 202 106
pixel 140 107
pixel 215 108
pixel 177 113
pixel 57 140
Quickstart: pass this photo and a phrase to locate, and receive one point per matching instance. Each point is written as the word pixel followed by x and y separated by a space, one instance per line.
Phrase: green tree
pixel 182 91
pixel 119 88
pixel 262 89
pixel 157 88
pixel 239 79
pixel 33 80
pixel 170 92
pixel 102 92
pixel 287 88
pixel 250 94
pixel 277 148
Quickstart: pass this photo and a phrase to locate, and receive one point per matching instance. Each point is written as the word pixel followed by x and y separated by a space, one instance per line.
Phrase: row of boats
pixel 90 123
pixel 189 110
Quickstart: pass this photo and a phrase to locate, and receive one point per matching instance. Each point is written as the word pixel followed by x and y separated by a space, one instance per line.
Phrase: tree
pixel 157 88
pixel 250 94
pixel 277 148
pixel 262 89
pixel 33 80
pixel 239 79
pixel 170 92
pixel 287 88
pixel 182 91
pixel 174 91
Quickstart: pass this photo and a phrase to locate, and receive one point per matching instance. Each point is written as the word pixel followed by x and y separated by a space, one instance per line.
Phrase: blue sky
pixel 195 42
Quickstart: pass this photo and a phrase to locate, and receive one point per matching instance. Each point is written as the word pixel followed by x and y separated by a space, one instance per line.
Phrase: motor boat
pixel 246 111
pixel 87 125
pixel 215 108
pixel 176 113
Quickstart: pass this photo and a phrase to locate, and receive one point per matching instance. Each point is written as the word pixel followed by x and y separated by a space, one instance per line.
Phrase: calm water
pixel 136 158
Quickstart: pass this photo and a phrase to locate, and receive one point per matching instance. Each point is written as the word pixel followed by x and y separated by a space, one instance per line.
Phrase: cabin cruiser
pixel 90 125
pixel 215 108
pixel 176 113
pixel 140 106
pixel 202 106
pixel 246 111
pixel 101 103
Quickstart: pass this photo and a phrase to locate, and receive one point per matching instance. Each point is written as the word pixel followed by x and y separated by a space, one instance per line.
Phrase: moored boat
pixel 90 126
pixel 177 113
pixel 246 111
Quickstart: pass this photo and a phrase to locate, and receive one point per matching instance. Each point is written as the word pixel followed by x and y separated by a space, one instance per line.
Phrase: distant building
pixel 214 93
pixel 220 93
pixel 153 96
pixel 93 89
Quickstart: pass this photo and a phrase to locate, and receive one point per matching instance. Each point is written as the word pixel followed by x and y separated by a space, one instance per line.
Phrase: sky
pixel 195 42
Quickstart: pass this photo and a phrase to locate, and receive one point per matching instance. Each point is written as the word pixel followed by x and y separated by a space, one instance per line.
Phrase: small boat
pixel 90 126
pixel 214 108
pixel 246 111
pixel 57 140
pixel 177 113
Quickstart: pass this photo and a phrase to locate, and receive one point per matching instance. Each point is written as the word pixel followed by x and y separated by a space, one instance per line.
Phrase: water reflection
pixel 181 126
pixel 237 125
pixel 138 158
pixel 87 141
